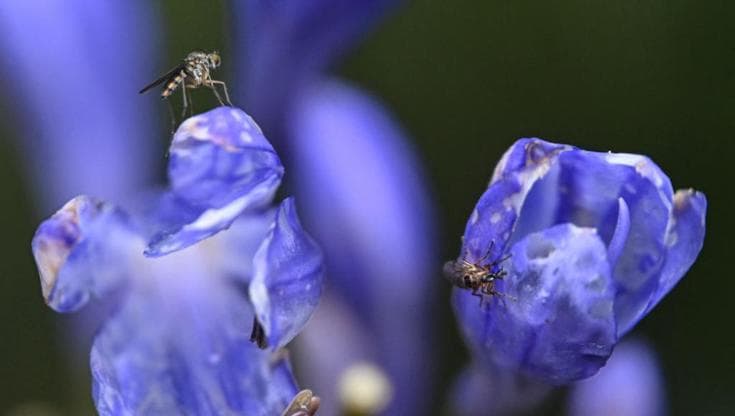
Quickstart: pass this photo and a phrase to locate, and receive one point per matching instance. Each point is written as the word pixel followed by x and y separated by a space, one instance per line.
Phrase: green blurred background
pixel 466 78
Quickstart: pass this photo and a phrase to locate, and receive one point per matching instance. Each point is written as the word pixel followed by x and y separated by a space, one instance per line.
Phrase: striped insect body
pixel 195 71
pixel 479 277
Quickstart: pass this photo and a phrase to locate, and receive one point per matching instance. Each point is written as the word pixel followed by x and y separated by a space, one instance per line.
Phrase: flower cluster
pixel 590 243
pixel 578 246
pixel 185 292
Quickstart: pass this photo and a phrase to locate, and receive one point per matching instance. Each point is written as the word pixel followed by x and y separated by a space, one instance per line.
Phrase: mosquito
pixel 193 72
pixel 478 277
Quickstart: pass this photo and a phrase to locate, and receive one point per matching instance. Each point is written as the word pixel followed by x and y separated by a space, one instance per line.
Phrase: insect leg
pixel 187 91
pixel 487 254
pixel 186 104
pixel 172 116
pixel 216 94
pixel 224 88
pixel 504 259
pixel 475 292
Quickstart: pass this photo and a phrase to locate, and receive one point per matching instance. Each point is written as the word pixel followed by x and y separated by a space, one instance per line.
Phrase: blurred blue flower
pixel 364 198
pixel 286 44
pixel 177 342
pixel 596 241
pixel 73 69
pixel 486 389
pixel 363 195
pixel 630 384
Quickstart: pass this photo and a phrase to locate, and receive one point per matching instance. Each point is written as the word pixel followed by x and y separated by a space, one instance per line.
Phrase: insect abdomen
pixel 173 84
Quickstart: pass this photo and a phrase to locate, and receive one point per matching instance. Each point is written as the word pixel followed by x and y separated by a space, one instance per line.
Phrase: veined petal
pixel 180 345
pixel 593 184
pixel 684 240
pixel 79 252
pixel 284 43
pixel 86 105
pixel 554 316
pixel 287 279
pixel 625 197
pixel 363 196
pixel 622 229
pixel 220 166
pixel 630 384
pixel 493 221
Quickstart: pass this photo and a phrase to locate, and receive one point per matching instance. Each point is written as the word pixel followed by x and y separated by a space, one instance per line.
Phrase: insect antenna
pixel 509 255
pixel 487 253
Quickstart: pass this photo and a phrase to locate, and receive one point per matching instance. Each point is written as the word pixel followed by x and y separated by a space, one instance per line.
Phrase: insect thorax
pixel 197 68
pixel 464 274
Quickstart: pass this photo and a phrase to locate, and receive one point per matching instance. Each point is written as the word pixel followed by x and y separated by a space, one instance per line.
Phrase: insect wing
pixel 450 271
pixel 165 77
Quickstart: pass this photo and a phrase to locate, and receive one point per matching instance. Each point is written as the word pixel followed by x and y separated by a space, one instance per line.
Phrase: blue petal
pixel 363 195
pixel 622 229
pixel 73 68
pixel 493 221
pixel 287 278
pixel 595 182
pixel 684 240
pixel 554 318
pixel 79 252
pixel 584 188
pixel 631 384
pixel 285 43
pixel 180 345
pixel 625 197
pixel 589 187
pixel 220 166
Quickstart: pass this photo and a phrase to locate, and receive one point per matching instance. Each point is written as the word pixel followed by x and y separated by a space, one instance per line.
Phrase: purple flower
pixel 630 384
pixel 595 240
pixel 364 197
pixel 289 43
pixel 362 192
pixel 178 339
pixel 485 389
pixel 73 69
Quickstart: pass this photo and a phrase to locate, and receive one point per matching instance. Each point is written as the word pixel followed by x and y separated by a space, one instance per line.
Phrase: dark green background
pixel 466 78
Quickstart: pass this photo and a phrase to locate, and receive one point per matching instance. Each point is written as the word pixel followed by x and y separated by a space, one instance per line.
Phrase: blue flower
pixel 486 389
pixel 178 340
pixel 363 195
pixel 595 240
pixel 365 200
pixel 72 68
pixel 287 44
pixel 630 384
